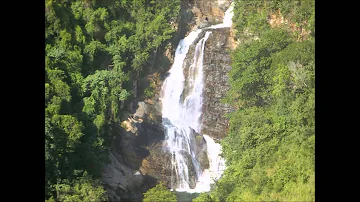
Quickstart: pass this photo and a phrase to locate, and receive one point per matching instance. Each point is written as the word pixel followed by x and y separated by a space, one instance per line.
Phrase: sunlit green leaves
pixel 71 126
pixel 82 189
pixel 203 197
pixel 99 121
pixel 281 80
pixel 54 105
pixel 124 94
pixel 159 193
pixel 47 91
pixel 89 106
pixel 64 39
pixel 92 49
pixel 77 8
pixel 55 52
pixel 119 45
pixel 60 88
pixel 105 91
pixel 79 36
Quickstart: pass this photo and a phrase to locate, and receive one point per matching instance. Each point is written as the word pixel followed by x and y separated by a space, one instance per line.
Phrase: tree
pixel 82 189
pixel 203 197
pixel 159 193
pixel 93 52
pixel 270 146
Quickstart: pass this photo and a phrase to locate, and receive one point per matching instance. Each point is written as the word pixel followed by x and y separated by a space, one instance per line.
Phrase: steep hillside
pixel 270 146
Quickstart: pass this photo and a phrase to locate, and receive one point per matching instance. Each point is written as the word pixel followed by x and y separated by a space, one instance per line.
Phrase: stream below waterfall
pixel 181 113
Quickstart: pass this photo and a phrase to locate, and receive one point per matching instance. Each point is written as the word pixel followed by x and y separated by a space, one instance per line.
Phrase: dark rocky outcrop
pixel 158 164
pixel 198 146
pixel 141 136
pixel 121 182
pixel 216 67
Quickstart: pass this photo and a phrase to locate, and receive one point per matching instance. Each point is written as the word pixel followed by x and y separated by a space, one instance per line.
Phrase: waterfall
pixel 181 114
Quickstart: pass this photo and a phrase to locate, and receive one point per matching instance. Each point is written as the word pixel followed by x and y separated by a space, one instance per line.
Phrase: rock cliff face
pixel 216 67
pixel 206 12
pixel 120 180
pixel 216 64
pixel 126 177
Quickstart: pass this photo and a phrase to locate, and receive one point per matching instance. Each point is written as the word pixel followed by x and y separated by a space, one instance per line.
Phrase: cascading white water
pixel 181 115
pixel 216 166
pixel 227 21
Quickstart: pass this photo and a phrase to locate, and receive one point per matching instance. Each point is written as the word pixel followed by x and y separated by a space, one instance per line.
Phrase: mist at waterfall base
pixel 182 114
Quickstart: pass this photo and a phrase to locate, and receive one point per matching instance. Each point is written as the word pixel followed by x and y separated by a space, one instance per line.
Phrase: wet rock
pixel 157 164
pixel 216 67
pixel 191 169
pixel 199 147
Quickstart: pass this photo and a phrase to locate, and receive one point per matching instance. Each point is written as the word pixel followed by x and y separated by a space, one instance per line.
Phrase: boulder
pixel 119 180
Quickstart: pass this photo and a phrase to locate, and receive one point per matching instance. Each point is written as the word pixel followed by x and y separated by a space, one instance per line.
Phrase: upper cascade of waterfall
pixel 179 117
pixel 227 21
pixel 176 79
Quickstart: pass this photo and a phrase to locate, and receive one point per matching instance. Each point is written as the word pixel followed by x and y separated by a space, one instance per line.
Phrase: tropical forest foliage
pixel 270 146
pixel 94 49
pixel 159 193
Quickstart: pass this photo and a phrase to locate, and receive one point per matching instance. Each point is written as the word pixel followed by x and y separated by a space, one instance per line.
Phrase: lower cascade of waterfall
pixel 181 114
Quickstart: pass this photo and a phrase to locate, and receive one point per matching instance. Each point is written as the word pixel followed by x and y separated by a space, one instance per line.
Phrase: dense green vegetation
pixel 270 146
pixel 159 193
pixel 94 50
